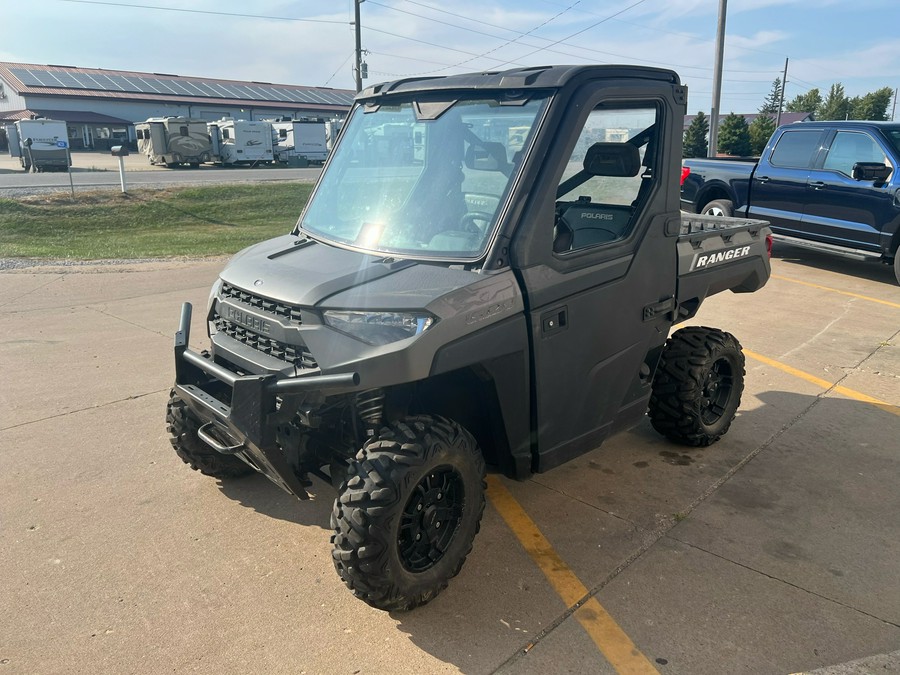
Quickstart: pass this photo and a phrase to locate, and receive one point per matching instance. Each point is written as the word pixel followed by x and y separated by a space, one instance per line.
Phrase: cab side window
pixel 850 147
pixel 606 178
pixel 796 149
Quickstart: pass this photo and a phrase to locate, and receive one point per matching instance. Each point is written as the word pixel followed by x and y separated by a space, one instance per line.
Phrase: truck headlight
pixel 378 328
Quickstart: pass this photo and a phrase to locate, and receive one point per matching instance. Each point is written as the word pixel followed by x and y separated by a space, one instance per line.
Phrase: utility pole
pixel 894 109
pixel 358 68
pixel 781 98
pixel 717 82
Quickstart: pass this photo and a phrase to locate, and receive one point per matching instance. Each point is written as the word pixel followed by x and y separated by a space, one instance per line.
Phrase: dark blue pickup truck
pixel 832 186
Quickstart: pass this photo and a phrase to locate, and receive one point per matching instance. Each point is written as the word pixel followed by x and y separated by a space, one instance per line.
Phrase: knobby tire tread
pixel 677 387
pixel 182 428
pixel 371 501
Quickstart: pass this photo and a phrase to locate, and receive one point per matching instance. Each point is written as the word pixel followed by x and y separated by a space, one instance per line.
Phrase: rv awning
pixel 73 116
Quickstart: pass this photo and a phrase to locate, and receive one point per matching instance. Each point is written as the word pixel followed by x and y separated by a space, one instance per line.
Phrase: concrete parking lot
pixel 777 550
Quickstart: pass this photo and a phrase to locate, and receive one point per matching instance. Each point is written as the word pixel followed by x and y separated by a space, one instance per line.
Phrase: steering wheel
pixel 475 222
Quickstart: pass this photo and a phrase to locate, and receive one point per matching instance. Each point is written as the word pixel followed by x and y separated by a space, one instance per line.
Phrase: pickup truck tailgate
pixel 717 254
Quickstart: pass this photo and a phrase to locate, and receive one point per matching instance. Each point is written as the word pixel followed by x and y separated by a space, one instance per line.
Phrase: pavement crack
pixel 588 504
pixel 130 323
pixel 33 290
pixel 653 537
pixel 783 581
pixel 80 410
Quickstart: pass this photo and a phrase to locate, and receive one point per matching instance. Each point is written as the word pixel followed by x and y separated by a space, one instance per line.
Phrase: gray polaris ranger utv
pixel 487 272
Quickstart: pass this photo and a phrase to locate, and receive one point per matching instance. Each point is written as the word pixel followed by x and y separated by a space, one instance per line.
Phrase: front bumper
pixel 246 428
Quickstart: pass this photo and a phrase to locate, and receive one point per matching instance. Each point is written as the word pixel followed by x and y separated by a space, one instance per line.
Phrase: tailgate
pixel 717 254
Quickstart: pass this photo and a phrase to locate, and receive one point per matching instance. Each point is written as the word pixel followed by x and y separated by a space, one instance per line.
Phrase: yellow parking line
pixel 616 646
pixel 825 384
pixel 835 290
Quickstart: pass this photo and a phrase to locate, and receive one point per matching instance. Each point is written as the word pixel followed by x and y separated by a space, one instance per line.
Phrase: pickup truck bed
pixel 718 254
pixel 831 186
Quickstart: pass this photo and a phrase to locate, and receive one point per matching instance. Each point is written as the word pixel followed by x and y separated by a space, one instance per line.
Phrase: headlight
pixel 379 328
pixel 213 294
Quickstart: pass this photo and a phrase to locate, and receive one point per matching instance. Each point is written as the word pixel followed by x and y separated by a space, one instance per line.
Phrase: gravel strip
pixel 65 265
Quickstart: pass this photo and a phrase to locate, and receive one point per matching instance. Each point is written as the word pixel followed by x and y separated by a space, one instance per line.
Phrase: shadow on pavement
pixel 871 270
pixel 258 493
pixel 813 501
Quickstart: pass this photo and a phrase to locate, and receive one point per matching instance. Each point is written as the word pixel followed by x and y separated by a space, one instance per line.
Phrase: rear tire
pixel 697 387
pixel 405 518
pixel 182 427
pixel 719 207
pixel 897 265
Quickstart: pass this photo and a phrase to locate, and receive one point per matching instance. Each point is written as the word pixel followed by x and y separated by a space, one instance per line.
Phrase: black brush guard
pixel 245 428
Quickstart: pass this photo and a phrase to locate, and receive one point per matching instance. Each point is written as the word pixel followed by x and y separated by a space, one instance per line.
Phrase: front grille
pixel 298 355
pixel 268 306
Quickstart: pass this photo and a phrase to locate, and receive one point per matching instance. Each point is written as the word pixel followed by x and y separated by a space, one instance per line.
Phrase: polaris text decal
pixel 720 257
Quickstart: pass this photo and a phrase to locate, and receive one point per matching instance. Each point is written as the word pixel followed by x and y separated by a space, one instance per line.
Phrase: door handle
pixel 555 320
pixel 817 185
pixel 762 179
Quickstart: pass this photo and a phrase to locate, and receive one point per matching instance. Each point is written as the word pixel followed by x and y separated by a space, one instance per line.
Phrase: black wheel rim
pixel 430 519
pixel 716 391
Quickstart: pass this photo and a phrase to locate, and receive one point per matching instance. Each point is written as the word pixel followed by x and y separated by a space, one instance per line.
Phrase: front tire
pixel 697 387
pixel 405 518
pixel 719 207
pixel 897 265
pixel 182 427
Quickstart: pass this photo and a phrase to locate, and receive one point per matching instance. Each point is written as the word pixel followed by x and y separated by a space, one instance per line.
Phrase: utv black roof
pixel 535 77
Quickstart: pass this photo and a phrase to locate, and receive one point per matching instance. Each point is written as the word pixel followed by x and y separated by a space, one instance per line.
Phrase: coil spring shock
pixel 370 407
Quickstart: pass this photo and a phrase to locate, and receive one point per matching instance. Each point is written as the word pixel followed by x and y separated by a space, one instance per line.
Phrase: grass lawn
pixel 197 221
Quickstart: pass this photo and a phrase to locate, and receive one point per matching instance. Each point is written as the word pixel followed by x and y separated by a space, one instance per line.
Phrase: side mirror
pixel 874 171
pixel 487 157
pixel 119 151
pixel 28 142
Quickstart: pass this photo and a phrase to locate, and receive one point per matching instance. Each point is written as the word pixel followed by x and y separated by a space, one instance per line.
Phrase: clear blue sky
pixel 828 41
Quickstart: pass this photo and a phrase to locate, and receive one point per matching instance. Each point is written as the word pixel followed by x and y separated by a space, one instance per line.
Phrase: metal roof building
pixel 100 106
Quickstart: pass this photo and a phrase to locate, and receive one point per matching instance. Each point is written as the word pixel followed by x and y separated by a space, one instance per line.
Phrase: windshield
pixel 422 185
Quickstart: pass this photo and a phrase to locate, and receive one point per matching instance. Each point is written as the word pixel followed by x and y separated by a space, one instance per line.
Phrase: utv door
pixel 598 265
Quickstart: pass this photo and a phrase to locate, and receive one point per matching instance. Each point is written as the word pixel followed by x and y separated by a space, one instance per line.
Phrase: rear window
pixel 796 149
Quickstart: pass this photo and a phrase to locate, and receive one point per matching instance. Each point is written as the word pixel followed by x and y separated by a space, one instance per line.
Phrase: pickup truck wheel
pixel 719 207
pixel 897 265
pixel 405 518
pixel 698 385
pixel 182 427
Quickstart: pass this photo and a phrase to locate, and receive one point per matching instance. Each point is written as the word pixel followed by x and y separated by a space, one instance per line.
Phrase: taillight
pixel 769 244
pixel 685 172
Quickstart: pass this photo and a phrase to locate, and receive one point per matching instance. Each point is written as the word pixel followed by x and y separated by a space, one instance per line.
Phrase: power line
pixel 583 30
pixel 687 35
pixel 483 55
pixel 545 48
pixel 202 11
pixel 339 68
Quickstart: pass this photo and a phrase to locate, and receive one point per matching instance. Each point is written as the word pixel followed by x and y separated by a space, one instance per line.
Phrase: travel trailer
pixel 174 141
pixel 40 144
pixel 300 138
pixel 241 141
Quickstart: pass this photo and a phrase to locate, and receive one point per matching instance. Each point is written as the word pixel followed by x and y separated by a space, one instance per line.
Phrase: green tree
pixel 734 136
pixel 810 102
pixel 770 104
pixel 760 131
pixel 836 105
pixel 872 106
pixel 695 138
